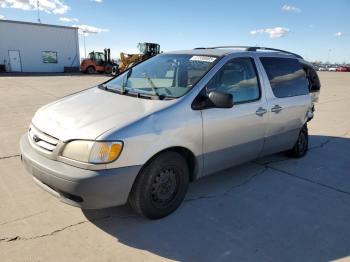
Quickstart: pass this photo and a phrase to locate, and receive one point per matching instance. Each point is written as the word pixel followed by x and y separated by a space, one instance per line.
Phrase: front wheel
pixel 115 70
pixel 302 145
pixel 161 186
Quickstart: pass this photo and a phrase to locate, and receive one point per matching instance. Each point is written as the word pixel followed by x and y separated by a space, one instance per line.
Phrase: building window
pixel 49 57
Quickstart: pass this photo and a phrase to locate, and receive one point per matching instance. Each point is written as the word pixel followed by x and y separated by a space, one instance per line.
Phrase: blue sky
pixel 318 30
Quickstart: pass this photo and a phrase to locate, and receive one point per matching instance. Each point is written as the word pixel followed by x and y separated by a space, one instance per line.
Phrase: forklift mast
pixel 107 52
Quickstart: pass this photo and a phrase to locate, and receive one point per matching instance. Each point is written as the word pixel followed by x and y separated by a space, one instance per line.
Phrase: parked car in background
pixel 142 136
pixel 343 69
pixel 332 69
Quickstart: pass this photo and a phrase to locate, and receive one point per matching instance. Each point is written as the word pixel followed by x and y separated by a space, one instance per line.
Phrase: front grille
pixel 42 139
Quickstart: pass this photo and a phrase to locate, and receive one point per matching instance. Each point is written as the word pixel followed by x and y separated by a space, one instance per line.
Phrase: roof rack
pixel 253 49
pixel 225 46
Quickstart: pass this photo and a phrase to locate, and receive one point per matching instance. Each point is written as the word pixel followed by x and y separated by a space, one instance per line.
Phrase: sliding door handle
pixel 276 109
pixel 261 111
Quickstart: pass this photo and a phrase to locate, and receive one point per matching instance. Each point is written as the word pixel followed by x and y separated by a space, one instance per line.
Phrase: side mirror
pixel 220 99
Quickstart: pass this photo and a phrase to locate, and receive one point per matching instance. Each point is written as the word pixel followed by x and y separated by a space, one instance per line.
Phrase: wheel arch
pixel 188 155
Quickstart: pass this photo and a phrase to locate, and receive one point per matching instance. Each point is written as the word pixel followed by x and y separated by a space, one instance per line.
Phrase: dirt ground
pixel 272 209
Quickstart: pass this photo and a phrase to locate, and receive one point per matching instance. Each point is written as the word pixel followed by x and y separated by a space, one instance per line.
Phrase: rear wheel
pixel 302 145
pixel 161 186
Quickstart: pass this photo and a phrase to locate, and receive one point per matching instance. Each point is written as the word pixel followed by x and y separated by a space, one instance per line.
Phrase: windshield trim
pixel 134 93
pixel 166 97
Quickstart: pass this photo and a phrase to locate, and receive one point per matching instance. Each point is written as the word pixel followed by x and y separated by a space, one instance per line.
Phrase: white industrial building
pixel 34 47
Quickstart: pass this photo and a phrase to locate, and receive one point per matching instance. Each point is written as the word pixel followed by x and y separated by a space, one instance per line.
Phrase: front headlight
pixel 93 152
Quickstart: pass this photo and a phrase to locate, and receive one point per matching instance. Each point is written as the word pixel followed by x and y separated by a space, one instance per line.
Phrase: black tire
pixel 302 145
pixel 90 70
pixel 161 186
pixel 115 70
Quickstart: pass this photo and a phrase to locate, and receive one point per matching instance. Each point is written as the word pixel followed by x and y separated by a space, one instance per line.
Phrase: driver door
pixel 234 135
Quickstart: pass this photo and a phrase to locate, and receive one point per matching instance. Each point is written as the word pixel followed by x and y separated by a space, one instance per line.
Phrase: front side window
pixel 99 56
pixel 49 57
pixel 239 78
pixel 287 78
pixel 167 75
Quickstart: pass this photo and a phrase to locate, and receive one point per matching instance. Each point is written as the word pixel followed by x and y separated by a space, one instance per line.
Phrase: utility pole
pixel 37 7
pixel 85 33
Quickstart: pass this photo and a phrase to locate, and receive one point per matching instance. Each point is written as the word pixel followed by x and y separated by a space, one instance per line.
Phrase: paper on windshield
pixel 208 59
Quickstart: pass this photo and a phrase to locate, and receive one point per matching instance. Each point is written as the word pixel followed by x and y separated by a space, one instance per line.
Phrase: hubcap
pixel 164 187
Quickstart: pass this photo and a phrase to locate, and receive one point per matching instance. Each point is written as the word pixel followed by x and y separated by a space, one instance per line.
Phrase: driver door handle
pixel 276 109
pixel 261 111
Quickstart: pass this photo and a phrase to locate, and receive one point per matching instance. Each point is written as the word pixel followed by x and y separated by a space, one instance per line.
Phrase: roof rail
pixel 253 48
pixel 227 46
pixel 256 48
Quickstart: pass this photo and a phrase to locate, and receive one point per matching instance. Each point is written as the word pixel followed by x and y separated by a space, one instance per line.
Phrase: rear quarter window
pixel 287 77
pixel 312 77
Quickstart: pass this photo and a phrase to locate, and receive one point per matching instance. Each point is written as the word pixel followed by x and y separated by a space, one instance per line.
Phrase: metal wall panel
pixel 31 39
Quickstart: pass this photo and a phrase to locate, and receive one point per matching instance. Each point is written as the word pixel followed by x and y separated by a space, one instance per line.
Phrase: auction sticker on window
pixel 208 59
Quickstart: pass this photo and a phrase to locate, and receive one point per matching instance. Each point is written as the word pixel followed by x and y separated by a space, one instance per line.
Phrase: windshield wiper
pixel 153 86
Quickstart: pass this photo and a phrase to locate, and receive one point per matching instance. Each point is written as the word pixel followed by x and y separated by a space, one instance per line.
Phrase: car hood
pixel 90 113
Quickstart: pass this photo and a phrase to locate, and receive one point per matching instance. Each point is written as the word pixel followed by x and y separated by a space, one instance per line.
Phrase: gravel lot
pixel 272 209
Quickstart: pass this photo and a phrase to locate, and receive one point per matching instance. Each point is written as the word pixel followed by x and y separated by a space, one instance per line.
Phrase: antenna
pixel 37 6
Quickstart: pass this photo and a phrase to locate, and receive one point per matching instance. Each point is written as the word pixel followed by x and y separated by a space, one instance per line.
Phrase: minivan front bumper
pixel 87 189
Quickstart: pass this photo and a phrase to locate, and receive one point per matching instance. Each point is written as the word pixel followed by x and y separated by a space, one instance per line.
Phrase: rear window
pixel 312 77
pixel 287 77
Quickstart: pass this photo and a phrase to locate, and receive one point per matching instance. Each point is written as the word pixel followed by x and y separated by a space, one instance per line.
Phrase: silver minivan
pixel 141 137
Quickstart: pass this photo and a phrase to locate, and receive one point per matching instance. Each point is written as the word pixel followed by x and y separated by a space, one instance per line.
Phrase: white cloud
pixel 2 17
pixel 339 34
pixel 88 29
pixel 258 31
pixel 272 32
pixel 67 19
pixel 97 1
pixel 48 6
pixel 290 8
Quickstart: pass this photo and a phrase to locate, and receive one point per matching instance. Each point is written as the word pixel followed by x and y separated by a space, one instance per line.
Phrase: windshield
pixel 163 75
